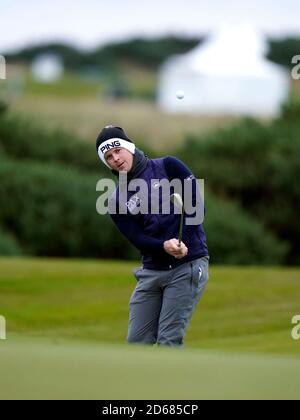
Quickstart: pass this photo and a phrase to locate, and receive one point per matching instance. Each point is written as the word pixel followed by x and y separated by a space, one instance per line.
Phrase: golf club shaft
pixel 180 228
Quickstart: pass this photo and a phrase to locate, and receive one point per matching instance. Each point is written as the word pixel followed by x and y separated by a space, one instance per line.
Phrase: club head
pixel 177 200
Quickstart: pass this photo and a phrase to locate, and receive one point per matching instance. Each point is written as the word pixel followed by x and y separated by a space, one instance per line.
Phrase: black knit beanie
pixel 110 137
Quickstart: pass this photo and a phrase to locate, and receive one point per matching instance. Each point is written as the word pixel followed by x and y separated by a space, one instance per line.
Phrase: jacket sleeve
pixel 134 233
pixel 176 169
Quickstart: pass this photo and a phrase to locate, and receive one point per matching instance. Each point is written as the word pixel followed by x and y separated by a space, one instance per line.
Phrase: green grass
pixel 243 309
pixel 68 86
pixel 67 324
pixel 41 369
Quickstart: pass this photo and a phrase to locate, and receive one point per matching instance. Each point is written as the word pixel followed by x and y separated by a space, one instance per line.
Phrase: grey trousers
pixel 163 302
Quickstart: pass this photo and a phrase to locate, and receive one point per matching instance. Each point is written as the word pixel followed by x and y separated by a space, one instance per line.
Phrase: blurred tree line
pixel 145 52
pixel 124 69
pixel 148 53
pixel 251 171
pixel 282 51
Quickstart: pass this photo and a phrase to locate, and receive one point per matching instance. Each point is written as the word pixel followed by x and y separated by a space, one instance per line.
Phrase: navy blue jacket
pixel 147 232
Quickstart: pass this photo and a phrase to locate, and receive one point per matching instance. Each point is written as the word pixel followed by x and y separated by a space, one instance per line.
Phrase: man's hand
pixel 173 248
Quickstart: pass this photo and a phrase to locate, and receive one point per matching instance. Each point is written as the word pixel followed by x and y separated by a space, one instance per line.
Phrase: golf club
pixel 177 201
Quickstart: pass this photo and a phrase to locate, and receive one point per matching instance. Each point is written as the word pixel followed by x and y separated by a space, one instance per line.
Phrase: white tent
pixel 227 74
pixel 47 67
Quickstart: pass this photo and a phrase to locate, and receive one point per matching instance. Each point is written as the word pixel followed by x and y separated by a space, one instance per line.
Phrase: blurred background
pixel 74 67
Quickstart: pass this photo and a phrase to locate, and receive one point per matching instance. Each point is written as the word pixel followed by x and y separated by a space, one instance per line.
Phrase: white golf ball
pixel 180 94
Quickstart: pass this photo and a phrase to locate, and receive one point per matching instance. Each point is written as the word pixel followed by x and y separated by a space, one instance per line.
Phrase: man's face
pixel 119 159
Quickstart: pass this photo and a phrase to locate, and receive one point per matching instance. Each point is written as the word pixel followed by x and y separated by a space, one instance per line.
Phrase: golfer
pixel 174 274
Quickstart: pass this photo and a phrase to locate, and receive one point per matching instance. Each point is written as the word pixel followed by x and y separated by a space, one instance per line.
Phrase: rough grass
pixel 143 121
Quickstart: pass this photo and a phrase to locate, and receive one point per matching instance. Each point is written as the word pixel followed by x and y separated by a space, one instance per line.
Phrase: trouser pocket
pixel 196 273
pixel 136 272
pixel 199 276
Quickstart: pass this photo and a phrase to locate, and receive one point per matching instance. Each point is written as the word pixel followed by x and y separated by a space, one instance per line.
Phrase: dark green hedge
pixel 257 165
pixel 234 237
pixel 51 210
pixel 9 245
pixel 48 192
pixel 23 139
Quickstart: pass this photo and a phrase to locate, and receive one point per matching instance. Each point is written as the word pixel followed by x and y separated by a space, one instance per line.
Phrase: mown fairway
pixel 67 322
pixel 42 369
pixel 243 308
